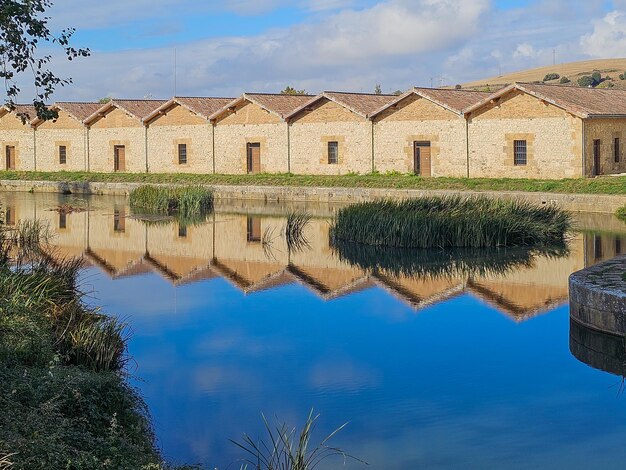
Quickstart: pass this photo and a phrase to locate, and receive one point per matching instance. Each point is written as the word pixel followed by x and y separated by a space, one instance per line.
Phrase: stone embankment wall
pixel 598 297
pixel 592 203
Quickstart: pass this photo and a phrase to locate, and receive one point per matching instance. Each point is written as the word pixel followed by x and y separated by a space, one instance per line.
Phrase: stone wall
pixel 312 130
pixel 117 128
pixel 250 123
pixel 554 140
pixel 598 297
pixel 21 136
pixel 418 119
pixel 180 126
pixel 65 131
pixel 606 130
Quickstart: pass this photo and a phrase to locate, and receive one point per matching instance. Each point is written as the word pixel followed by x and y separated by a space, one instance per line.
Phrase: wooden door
pixel 254 158
pixel 422 159
pixel 119 155
pixel 596 157
pixel 10 157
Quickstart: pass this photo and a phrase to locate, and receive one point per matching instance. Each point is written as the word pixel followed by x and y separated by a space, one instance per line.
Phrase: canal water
pixel 465 362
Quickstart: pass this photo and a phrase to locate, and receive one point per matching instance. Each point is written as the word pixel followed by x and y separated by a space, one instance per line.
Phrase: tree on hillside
pixel 378 90
pixel 105 100
pixel 292 91
pixel 23 28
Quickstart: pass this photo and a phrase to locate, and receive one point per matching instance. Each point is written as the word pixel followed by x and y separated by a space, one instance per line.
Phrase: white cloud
pixel 525 50
pixel 608 38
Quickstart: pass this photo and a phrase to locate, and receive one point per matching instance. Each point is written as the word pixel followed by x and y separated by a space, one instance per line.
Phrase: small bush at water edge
pixel 186 201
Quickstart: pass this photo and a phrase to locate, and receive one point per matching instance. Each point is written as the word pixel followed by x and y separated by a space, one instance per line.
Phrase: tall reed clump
pixel 184 201
pixel 451 222
pixel 286 449
pixel 65 401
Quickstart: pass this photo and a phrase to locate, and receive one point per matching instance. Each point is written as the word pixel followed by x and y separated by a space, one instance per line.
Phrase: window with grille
pixel 520 155
pixel 182 154
pixel 616 150
pixel 62 154
pixel 333 153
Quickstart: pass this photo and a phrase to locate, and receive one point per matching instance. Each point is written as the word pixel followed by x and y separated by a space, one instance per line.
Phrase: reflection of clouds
pixel 342 375
pixel 236 342
pixel 214 379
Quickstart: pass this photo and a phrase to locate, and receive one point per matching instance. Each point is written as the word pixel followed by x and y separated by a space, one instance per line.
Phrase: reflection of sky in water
pixel 456 385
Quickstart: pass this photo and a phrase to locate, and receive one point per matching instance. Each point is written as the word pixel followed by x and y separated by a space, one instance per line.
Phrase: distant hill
pixel 610 69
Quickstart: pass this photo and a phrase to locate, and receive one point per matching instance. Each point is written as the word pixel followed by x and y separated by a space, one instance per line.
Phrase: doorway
pixel 422 159
pixel 254 157
pixel 596 157
pixel 119 158
pixel 10 157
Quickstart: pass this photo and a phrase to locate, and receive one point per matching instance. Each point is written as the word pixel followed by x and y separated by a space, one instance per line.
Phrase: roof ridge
pixel 451 89
pixel 359 93
pixel 273 94
pixel 206 97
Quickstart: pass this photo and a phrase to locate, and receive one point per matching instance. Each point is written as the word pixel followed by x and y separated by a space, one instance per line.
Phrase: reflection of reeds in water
pixel 286 449
pixel 294 231
pixel 442 263
pixel 449 222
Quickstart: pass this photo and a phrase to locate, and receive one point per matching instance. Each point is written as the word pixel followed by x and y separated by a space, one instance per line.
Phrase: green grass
pixel 602 185
pixel 450 222
pixel 64 399
pixel 185 202
pixel 284 448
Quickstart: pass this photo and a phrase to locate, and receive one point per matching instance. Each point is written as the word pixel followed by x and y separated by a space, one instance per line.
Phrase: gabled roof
pixel 363 104
pixel 453 100
pixel 138 109
pixel 582 102
pixel 77 110
pixel 27 111
pixel 203 107
pixel 278 104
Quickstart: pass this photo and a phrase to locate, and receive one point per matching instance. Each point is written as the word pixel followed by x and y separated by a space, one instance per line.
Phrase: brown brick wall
pixel 606 130
pixel 21 136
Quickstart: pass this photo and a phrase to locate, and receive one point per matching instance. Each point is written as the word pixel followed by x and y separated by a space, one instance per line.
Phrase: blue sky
pixel 225 48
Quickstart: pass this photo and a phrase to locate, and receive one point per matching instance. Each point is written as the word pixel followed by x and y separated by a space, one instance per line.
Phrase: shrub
pixel 586 81
pixel 551 76
pixel 564 80
pixel 450 222
pixel 597 77
pixel 622 76
pixel 186 201
pixel 621 213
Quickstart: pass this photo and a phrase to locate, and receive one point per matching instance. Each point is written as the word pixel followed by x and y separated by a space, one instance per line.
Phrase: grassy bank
pixel 451 222
pixel 64 401
pixel 603 185
pixel 185 202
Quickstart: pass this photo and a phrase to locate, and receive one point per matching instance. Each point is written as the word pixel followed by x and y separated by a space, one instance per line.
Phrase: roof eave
pixel 157 112
pixel 225 108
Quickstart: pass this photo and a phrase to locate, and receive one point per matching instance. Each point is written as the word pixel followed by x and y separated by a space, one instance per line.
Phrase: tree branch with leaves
pixel 23 28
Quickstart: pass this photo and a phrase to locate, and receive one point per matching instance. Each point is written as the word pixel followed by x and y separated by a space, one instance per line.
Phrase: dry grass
pixel 572 70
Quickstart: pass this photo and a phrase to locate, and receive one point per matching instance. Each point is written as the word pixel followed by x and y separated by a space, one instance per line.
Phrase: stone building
pixel 251 134
pixel 332 134
pixel 547 131
pixel 118 138
pixel 423 131
pixel 180 135
pixel 62 143
pixel 17 138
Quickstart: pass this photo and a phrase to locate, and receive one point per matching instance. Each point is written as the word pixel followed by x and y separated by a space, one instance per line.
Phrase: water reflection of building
pixel 251 253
